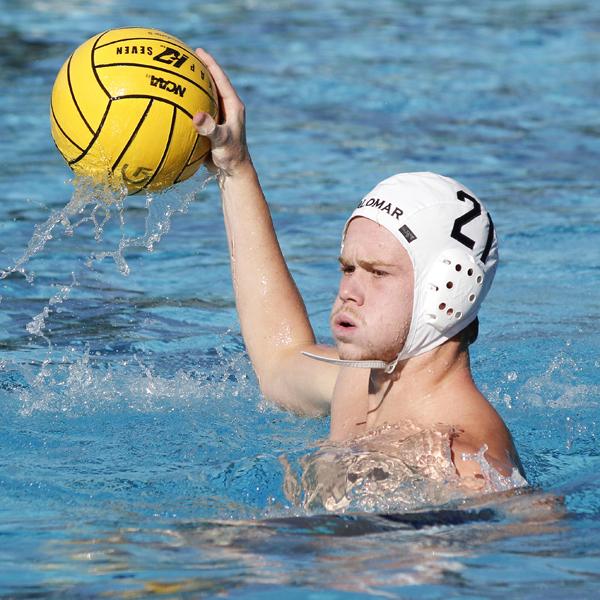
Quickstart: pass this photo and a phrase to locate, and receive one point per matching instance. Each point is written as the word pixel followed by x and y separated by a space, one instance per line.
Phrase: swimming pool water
pixel 137 456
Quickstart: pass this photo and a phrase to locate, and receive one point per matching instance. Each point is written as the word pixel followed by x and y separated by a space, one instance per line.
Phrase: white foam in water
pixel 559 386
pixel 75 383
pixel 81 385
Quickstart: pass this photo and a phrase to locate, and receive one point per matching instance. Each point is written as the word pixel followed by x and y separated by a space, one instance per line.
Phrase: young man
pixel 418 256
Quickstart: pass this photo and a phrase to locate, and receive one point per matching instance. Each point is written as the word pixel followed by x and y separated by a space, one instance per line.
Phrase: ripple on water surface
pixel 138 456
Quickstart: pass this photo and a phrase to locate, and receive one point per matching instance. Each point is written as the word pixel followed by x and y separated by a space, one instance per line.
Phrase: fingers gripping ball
pixel 122 108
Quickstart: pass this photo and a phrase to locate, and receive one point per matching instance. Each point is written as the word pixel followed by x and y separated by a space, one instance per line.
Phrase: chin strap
pixel 362 364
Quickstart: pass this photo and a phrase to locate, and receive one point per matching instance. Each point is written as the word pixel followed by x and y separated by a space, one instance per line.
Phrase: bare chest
pixel 355 410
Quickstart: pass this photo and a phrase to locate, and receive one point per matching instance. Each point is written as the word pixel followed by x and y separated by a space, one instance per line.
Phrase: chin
pixel 349 352
pixel 352 353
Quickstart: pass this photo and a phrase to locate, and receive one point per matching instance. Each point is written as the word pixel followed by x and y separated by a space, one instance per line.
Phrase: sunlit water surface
pixel 138 458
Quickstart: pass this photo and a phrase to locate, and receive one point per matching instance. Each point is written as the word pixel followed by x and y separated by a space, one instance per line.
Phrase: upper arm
pixel 302 384
pixel 467 454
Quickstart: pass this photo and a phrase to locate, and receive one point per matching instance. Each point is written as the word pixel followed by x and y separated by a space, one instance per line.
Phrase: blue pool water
pixel 137 458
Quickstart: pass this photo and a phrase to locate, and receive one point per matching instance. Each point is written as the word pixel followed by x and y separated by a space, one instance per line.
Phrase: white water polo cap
pixel 451 241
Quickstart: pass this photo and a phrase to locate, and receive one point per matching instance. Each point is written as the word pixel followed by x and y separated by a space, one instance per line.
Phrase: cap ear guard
pixel 453 291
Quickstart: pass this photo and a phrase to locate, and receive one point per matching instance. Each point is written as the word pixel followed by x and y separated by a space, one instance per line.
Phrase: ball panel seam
pixel 162 160
pixel 89 146
pixel 185 165
pixel 199 159
pixel 62 130
pixel 153 68
pixel 148 97
pixel 73 96
pixel 121 40
pixel 191 168
pixel 132 137
pixel 94 65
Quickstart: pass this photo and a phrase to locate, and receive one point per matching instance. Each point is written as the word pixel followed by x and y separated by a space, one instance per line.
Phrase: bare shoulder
pixel 482 427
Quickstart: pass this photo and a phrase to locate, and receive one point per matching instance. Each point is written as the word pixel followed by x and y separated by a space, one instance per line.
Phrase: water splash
pixel 96 205
pixel 493 481
pixel 160 210
pixel 84 193
pixel 82 383
pixel 559 386
pixel 37 324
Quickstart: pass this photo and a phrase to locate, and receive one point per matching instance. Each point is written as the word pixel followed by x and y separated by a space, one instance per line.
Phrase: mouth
pixel 343 324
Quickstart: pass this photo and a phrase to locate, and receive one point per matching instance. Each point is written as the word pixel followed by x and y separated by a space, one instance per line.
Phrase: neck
pixel 418 388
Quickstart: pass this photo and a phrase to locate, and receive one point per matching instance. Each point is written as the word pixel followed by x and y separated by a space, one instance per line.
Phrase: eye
pixel 346 269
pixel 379 273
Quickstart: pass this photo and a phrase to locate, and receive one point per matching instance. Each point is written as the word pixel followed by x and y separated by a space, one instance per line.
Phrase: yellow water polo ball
pixel 122 108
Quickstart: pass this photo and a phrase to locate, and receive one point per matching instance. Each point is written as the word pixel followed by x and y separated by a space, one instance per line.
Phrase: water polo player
pixel 418 257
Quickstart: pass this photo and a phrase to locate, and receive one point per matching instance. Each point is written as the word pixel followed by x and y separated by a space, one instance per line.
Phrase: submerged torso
pixel 390 468
pixel 383 444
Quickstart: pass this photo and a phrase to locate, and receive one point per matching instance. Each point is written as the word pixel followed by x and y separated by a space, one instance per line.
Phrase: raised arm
pixel 273 317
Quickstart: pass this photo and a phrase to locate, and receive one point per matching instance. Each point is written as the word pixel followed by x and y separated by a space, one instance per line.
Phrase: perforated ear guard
pixel 453 285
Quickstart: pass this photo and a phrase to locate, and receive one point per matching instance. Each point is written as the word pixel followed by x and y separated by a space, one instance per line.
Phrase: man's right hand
pixel 228 137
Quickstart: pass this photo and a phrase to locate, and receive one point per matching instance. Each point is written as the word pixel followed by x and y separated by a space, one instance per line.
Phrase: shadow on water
pixel 372 554
pixel 18 52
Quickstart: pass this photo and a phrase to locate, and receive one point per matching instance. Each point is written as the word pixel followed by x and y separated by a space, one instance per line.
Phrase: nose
pixel 352 289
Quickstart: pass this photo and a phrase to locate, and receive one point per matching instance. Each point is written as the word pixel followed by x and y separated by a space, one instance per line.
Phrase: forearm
pixel 272 314
pixel 274 322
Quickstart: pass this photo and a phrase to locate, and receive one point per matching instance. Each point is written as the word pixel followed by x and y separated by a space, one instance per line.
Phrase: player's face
pixel 372 312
